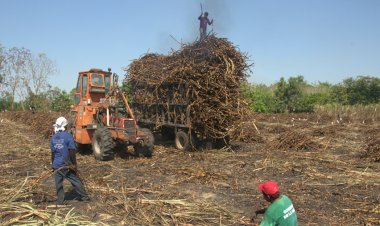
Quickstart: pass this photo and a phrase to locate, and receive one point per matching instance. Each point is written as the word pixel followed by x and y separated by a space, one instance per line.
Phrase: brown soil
pixel 329 184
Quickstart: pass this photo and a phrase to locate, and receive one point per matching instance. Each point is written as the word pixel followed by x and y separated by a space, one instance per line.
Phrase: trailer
pixel 172 117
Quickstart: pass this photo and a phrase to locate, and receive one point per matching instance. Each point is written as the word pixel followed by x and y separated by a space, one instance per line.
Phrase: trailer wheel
pixel 103 144
pixel 183 142
pixel 146 147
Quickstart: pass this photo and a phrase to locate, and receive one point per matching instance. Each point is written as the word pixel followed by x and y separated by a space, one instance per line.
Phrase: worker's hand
pixel 253 218
pixel 257 212
pixel 260 211
pixel 252 221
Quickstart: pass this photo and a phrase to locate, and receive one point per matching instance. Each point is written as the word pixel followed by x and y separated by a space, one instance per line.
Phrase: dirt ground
pixel 328 169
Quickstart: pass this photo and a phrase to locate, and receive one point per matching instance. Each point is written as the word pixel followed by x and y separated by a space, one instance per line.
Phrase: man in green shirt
pixel 280 211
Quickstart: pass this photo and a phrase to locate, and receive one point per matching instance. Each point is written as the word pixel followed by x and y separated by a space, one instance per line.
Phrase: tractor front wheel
pixel 103 144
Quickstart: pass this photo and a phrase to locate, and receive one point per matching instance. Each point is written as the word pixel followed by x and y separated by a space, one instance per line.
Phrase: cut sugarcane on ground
pixel 333 181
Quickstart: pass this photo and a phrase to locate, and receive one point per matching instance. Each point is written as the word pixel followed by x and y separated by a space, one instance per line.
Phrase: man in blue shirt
pixel 64 163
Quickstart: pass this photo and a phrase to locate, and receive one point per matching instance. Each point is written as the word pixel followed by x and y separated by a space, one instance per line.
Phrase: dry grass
pixel 365 114
pixel 16 208
pixel 201 188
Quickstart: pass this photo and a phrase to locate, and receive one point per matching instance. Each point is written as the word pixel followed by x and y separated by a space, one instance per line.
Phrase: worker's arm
pixel 52 157
pixel 260 211
pixel 52 152
pixel 257 212
pixel 209 23
pixel 72 151
pixel 268 219
pixel 199 18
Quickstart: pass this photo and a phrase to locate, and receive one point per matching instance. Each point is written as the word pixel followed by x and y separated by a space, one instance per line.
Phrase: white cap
pixel 60 124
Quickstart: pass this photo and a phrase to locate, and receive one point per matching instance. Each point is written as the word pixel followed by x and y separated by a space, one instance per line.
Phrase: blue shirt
pixel 60 144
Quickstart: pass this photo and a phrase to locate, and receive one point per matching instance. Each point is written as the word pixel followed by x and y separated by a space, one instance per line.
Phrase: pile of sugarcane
pixel 204 77
pixel 293 140
pixel 40 122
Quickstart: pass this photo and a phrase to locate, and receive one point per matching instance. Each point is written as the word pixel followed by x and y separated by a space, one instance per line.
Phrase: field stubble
pixel 328 170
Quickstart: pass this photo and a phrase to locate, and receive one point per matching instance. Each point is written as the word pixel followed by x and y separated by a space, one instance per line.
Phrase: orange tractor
pixel 98 107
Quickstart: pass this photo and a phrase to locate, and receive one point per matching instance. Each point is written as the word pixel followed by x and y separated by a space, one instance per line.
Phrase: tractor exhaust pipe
pixel 108 117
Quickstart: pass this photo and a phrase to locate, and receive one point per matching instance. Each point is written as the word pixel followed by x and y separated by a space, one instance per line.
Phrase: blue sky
pixel 323 40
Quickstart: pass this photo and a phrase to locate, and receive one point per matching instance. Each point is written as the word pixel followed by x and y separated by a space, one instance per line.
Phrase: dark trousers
pixel 203 32
pixel 71 176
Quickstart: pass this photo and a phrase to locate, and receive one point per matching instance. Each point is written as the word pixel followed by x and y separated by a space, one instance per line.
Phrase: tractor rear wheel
pixel 103 144
pixel 146 147
pixel 184 141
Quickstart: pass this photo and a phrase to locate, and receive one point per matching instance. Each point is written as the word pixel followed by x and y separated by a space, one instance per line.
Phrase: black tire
pixel 145 148
pixel 183 142
pixel 103 144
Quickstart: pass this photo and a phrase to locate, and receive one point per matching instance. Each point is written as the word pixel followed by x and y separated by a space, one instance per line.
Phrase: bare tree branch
pixel 38 70
pixel 15 69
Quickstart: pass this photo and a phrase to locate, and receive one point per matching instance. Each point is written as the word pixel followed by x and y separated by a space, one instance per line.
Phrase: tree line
pixel 24 82
pixel 297 95
pixel 24 85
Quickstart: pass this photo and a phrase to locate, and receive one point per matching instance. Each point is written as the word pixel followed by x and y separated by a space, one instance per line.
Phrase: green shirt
pixel 280 212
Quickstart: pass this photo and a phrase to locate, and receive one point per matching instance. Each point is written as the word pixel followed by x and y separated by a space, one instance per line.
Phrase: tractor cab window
pixel 78 86
pixel 107 82
pixel 77 92
pixel 76 99
pixel 84 86
pixel 97 80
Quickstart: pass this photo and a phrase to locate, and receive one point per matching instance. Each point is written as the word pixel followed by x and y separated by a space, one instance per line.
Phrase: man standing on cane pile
pixel 281 211
pixel 203 21
pixel 64 163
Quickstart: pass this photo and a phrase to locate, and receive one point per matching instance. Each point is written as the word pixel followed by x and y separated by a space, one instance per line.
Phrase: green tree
pixel 290 96
pixel 361 90
pixel 59 100
pixel 281 95
pixel 5 101
pixel 296 95
pixel 37 102
pixel 260 97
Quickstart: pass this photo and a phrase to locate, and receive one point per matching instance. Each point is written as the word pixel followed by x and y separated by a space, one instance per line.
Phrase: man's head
pixel 206 14
pixel 60 124
pixel 270 190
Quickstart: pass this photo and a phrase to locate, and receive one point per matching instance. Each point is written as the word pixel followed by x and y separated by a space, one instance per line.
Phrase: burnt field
pixel 330 169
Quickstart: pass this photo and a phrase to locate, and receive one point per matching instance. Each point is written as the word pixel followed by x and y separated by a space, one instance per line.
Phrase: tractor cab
pixel 92 85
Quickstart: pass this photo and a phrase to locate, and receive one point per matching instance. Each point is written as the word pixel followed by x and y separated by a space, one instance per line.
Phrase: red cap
pixel 269 187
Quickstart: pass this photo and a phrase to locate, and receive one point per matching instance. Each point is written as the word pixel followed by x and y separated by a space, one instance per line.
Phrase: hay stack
pixel 204 77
